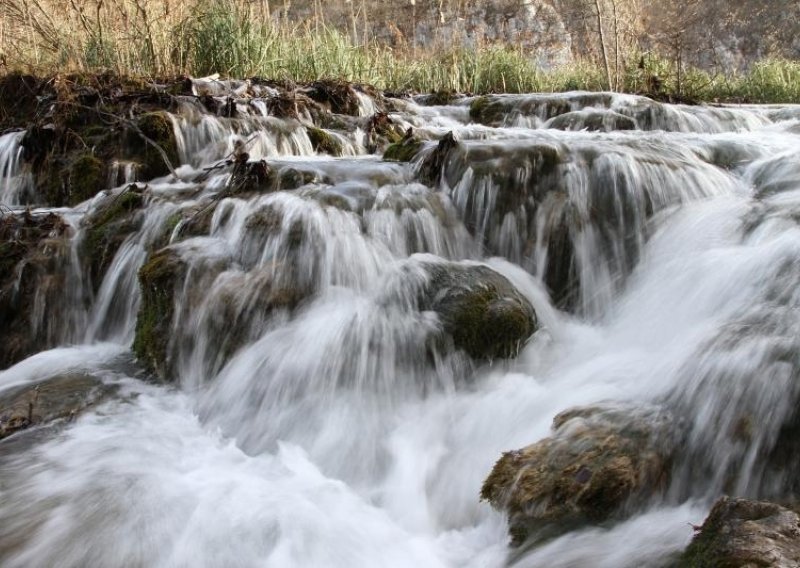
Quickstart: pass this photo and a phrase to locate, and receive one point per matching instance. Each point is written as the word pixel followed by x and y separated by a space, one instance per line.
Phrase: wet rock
pixel 159 280
pixel 499 110
pixel 740 533
pixel 487 110
pixel 439 98
pixel 291 104
pixel 58 397
pixel 34 250
pixel 405 150
pixel 592 120
pixel 242 307
pixel 108 119
pixel 338 97
pixel 599 462
pixel 324 142
pixel 108 226
pixel 480 310
pixel 381 132
pixel 196 222
pixel 149 129
pixel 290 178
pixel 432 167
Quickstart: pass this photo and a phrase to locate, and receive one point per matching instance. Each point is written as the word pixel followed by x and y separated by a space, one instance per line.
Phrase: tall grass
pixel 169 37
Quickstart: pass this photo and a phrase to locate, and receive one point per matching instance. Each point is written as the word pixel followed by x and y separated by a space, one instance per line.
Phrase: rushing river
pixel 662 261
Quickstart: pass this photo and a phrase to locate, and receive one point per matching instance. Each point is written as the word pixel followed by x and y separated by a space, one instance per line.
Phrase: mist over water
pixel 661 262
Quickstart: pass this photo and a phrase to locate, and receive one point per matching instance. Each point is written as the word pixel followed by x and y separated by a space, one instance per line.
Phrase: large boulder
pixel 599 462
pixel 739 533
pixel 479 309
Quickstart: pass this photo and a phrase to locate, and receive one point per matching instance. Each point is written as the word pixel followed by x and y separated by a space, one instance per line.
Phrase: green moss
pixel 157 127
pixel 107 228
pixel 87 175
pixel 486 110
pixel 403 151
pixel 165 235
pixel 589 471
pixel 480 309
pixel 158 279
pixel 324 142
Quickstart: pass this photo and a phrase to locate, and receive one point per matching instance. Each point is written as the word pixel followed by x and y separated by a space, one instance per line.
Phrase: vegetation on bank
pixel 233 40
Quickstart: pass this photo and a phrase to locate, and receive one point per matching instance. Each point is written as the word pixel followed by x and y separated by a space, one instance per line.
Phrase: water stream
pixel 662 263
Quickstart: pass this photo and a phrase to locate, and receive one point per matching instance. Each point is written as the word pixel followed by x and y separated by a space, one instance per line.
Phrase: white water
pixel 16 184
pixel 331 439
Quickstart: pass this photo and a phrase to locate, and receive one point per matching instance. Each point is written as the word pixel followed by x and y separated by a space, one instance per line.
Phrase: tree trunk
pixel 603 49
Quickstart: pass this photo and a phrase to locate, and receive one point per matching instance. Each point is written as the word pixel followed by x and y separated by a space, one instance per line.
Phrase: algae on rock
pixel 159 278
pixel 479 309
pixel 739 533
pixel 599 461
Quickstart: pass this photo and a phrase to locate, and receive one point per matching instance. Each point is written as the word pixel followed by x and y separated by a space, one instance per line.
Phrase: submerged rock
pixel 405 150
pixel 324 142
pixel 58 397
pixel 739 533
pixel 600 461
pixel 483 313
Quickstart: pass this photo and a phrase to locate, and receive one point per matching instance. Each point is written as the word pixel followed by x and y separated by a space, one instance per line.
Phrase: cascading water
pixel 16 185
pixel 318 417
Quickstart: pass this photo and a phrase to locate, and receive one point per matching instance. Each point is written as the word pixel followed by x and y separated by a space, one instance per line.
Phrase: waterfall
pixel 283 374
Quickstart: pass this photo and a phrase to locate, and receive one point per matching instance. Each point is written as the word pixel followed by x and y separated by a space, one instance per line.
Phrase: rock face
pixel 483 313
pixel 34 253
pixel 159 279
pixel 598 462
pixel 739 533
pixel 108 226
pixel 61 396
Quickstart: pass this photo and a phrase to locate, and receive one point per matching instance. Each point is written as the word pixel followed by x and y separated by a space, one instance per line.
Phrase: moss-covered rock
pixel 739 533
pixel 479 309
pixel 43 402
pixel 382 131
pixel 107 227
pixel 598 462
pixel 440 98
pixel 403 151
pixel 159 278
pixel 157 127
pixel 324 142
pixel 497 110
pixel 487 110
pixel 336 96
pixel 87 177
